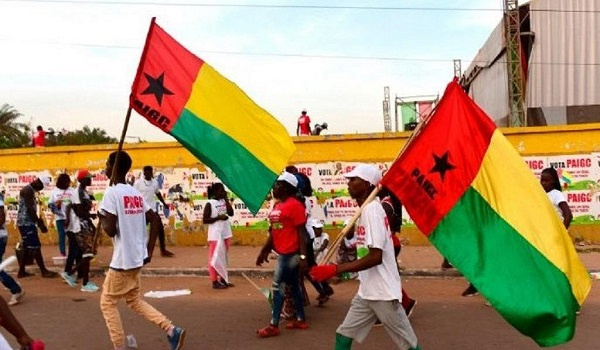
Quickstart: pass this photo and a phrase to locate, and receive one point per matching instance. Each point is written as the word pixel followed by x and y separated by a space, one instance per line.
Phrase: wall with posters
pixel 573 150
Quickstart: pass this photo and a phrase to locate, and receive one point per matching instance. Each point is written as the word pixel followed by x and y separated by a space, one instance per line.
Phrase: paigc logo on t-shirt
pixel 274 219
pixel 133 205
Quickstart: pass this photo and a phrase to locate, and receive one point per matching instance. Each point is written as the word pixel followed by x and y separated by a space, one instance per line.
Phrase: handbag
pixel 24 256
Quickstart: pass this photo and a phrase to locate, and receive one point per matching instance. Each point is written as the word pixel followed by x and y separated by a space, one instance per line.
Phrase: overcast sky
pixel 66 64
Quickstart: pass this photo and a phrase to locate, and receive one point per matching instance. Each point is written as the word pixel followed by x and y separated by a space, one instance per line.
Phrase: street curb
pixel 256 272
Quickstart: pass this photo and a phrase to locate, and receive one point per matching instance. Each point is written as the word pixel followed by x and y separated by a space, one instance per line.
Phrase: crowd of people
pixel 127 214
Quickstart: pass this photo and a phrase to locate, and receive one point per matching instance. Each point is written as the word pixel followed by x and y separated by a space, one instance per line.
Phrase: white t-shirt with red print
pixel 129 244
pixel 220 229
pixel 381 282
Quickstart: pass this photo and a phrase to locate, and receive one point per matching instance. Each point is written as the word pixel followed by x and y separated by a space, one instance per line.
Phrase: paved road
pixel 69 319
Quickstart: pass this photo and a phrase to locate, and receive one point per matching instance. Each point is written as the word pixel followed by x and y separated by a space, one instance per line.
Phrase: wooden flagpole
pixel 335 245
pixel 98 233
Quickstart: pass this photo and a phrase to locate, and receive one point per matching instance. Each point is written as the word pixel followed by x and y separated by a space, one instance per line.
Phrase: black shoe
pixel 322 299
pixel 24 274
pixel 446 265
pixel 217 285
pixel 222 281
pixel 470 291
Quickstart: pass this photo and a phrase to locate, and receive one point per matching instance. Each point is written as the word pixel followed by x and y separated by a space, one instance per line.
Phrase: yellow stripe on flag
pixel 222 104
pixel 507 184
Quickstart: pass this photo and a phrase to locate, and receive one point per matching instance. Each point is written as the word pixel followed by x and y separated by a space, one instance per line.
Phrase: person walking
pixel 123 216
pixel 15 289
pixel 287 237
pixel 149 188
pixel 81 228
pixel 60 198
pixel 216 215
pixel 379 295
pixel 28 222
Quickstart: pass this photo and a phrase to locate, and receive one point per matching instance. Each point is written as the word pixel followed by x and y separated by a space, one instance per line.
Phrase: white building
pixel 560 42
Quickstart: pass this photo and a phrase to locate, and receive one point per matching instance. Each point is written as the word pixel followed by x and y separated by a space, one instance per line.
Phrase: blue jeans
pixel 287 272
pixel 5 278
pixel 60 229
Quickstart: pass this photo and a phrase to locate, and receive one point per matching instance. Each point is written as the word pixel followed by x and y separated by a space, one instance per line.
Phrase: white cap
pixel 366 172
pixel 304 110
pixel 45 180
pixel 316 223
pixel 289 178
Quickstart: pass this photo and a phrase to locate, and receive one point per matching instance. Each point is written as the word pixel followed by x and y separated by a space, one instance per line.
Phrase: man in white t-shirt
pixel 379 294
pixel 123 215
pixel 149 187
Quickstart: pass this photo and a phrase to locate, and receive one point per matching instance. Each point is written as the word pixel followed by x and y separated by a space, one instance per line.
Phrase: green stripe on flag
pixel 243 173
pixel 492 255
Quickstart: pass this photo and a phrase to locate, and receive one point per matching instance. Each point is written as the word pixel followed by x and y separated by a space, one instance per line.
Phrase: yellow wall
pixel 377 147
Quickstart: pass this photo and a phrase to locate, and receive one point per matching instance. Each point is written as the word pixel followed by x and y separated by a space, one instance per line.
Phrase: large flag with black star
pixel 212 117
pixel 473 196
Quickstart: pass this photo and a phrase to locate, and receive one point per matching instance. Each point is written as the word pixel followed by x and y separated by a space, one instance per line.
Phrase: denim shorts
pixel 30 237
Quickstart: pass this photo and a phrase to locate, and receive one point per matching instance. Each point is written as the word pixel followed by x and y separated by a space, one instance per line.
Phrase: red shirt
pixel 304 124
pixel 39 138
pixel 285 218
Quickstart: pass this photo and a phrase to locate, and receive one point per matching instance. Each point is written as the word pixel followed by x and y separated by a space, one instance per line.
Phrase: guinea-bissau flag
pixel 469 191
pixel 211 117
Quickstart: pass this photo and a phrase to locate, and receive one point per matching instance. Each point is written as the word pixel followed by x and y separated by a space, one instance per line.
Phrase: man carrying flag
pixel 469 191
pixel 379 295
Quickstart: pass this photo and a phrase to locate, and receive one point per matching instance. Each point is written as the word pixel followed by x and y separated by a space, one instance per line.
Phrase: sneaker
pixel 16 298
pixel 68 278
pixel 90 287
pixel 219 285
pixel 176 340
pixel 470 291
pixel 411 307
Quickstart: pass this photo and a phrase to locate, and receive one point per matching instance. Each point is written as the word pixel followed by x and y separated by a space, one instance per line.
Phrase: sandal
pixel 296 324
pixel 268 331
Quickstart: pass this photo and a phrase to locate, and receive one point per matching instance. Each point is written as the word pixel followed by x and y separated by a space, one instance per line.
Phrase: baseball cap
pixel 83 173
pixel 289 178
pixel 316 223
pixel 45 179
pixel 366 172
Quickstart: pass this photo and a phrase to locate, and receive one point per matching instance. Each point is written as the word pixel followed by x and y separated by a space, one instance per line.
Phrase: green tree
pixel 85 136
pixel 13 133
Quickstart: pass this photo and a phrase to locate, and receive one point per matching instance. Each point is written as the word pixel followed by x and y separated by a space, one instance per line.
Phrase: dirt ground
pixel 66 318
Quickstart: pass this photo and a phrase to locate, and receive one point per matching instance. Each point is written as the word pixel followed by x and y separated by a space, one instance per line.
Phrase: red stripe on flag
pixel 164 80
pixel 440 163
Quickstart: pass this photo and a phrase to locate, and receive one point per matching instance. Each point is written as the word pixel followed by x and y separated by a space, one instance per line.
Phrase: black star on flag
pixel 156 87
pixel 441 165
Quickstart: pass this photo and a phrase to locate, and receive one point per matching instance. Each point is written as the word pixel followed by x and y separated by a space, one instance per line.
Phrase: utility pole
pixel 387 121
pixel 512 33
